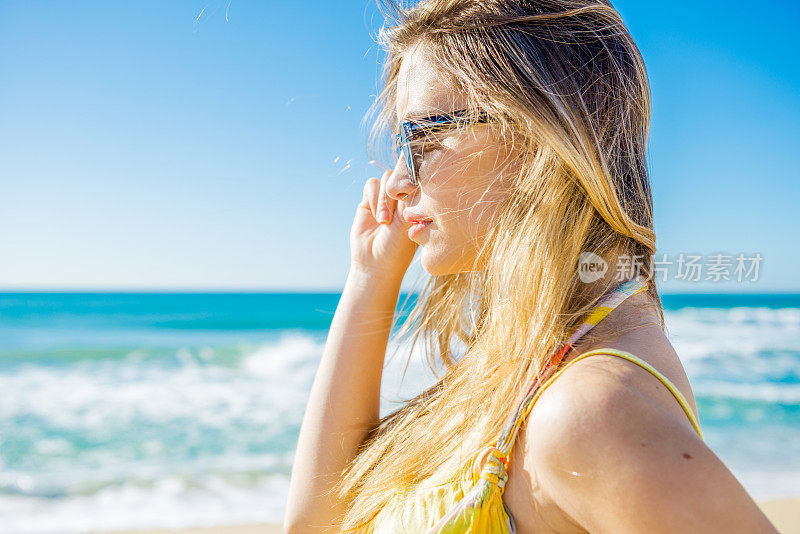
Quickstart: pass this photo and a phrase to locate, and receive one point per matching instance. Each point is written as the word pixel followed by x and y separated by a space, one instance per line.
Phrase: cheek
pixel 478 208
pixel 467 188
pixel 465 217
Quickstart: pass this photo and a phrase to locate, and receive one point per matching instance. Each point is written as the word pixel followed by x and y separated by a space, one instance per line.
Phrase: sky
pixel 221 145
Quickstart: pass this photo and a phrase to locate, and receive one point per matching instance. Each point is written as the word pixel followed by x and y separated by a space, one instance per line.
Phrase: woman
pixel 521 131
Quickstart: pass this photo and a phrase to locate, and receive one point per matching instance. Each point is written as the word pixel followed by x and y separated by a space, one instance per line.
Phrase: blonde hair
pixel 569 89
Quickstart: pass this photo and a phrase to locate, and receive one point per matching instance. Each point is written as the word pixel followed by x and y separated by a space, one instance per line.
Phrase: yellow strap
pixel 634 359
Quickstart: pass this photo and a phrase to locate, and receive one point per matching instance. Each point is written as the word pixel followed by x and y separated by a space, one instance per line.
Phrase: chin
pixel 438 264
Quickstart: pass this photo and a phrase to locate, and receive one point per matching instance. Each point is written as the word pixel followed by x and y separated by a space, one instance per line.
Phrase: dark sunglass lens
pixel 405 143
pixel 410 163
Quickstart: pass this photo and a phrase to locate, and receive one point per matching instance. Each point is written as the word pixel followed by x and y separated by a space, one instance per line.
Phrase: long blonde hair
pixel 570 90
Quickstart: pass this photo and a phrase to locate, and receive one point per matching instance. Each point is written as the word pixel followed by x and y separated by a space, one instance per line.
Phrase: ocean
pixel 136 410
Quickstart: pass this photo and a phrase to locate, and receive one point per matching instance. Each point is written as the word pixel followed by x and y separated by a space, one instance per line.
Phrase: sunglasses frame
pixel 415 128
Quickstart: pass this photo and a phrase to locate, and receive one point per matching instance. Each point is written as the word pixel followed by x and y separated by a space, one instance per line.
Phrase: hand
pixel 382 248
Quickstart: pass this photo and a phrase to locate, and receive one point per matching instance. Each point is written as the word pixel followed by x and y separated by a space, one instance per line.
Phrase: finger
pixel 371 189
pixel 385 207
pixel 364 204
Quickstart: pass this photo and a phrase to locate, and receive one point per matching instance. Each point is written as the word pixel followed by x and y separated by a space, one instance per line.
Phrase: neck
pixel 636 312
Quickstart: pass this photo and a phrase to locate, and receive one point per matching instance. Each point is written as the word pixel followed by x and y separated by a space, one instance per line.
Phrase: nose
pixel 398 184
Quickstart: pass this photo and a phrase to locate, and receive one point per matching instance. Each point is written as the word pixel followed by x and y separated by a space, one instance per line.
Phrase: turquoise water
pixel 125 410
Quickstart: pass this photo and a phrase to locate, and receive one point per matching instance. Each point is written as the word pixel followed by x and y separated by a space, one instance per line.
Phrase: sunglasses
pixel 418 128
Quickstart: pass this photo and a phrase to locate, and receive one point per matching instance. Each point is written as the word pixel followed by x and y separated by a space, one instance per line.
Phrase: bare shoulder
pixel 610 444
pixel 609 378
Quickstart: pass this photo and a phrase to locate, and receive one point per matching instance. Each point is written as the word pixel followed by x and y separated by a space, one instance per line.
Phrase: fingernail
pixel 383 215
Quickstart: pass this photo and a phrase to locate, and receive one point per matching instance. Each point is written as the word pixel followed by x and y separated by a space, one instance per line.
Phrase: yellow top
pixel 474 504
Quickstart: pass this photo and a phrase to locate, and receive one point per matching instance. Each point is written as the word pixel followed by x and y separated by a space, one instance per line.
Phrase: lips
pixel 412 217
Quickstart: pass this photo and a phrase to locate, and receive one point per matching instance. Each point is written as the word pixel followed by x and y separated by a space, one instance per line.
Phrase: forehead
pixel 421 88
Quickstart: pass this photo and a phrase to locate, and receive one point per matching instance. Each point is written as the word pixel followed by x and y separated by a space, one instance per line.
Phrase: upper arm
pixel 615 459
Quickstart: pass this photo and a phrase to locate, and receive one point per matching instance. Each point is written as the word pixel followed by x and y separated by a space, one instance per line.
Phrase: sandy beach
pixel 263 528
pixel 784 514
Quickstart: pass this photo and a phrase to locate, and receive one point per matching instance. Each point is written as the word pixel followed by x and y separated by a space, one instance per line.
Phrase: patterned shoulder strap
pixel 606 305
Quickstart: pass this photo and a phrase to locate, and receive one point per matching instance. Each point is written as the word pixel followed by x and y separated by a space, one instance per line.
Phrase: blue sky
pixel 205 144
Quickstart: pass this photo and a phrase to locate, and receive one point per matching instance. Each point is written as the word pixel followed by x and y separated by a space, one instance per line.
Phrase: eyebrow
pixel 415 115
pixel 412 116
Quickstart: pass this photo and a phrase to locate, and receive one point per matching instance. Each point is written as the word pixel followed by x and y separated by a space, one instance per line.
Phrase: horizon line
pixel 295 290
